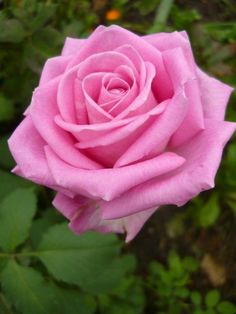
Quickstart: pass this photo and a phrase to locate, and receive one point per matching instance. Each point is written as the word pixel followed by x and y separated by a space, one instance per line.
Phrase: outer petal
pixel 203 154
pixel 167 41
pixel 181 72
pixel 214 96
pixel 72 46
pixel 27 148
pixel 87 216
pixel 53 68
pixel 109 183
pixel 43 111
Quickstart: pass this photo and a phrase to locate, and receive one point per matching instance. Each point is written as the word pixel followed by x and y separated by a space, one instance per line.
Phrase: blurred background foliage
pixel 184 260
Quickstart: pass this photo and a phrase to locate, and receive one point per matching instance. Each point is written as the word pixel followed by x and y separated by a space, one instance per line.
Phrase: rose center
pixel 117 91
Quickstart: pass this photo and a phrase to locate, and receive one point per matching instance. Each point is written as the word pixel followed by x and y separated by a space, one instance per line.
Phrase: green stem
pixel 6 306
pixel 162 14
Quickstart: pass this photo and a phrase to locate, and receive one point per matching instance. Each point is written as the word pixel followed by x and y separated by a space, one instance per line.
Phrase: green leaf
pixel 6 108
pixel 5 307
pixel 128 298
pixel 72 301
pixel 226 307
pixel 196 298
pixel 182 293
pixel 49 218
pixel 6 159
pixel 76 259
pixel 111 276
pixel 212 298
pixel 175 264
pixel 10 182
pixel 208 213
pixel 12 31
pixel 190 264
pixel 30 293
pixel 26 289
pixel 16 214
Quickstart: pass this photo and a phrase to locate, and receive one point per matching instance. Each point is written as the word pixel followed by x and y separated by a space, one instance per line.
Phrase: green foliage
pixel 44 267
pixel 16 216
pixel 29 293
pixel 74 265
pixel 209 212
pixel 171 284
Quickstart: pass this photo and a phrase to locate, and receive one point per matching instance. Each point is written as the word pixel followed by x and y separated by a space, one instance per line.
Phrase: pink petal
pixel 43 111
pixel 72 46
pixel 26 146
pixel 53 68
pixel 154 139
pixel 169 41
pixel 90 88
pixel 109 183
pixel 145 100
pixel 214 96
pixel 28 152
pixel 203 155
pixel 111 146
pixel 110 38
pixel 181 72
pixel 84 217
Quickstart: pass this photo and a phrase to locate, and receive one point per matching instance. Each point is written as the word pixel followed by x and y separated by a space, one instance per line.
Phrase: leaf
pixel 208 213
pixel 6 108
pixel 175 264
pixel 10 182
pixel 196 298
pixel 30 293
pixel 5 307
pixel 212 298
pixel 111 276
pixel 182 293
pixel 226 307
pixel 16 213
pixel 12 31
pixel 49 218
pixel 76 259
pixel 26 289
pixel 6 159
pixel 162 14
pixel 73 301
pixel 45 12
pixel 190 264
pixel 128 298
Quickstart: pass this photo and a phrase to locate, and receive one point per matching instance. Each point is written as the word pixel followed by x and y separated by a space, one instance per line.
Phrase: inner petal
pixel 117 87
pixel 112 88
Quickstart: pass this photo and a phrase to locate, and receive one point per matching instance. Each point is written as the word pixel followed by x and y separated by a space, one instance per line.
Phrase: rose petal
pixel 203 154
pixel 214 96
pixel 84 217
pixel 43 110
pixel 154 139
pixel 109 183
pixel 110 38
pixel 111 146
pixel 72 46
pixel 53 68
pixel 28 152
pixel 167 41
pixel 180 72
pixel 145 100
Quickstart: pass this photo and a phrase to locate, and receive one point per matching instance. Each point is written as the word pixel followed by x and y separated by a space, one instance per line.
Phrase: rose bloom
pixel 121 124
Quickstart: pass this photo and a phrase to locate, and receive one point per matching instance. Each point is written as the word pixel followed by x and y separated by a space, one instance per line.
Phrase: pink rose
pixel 121 124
